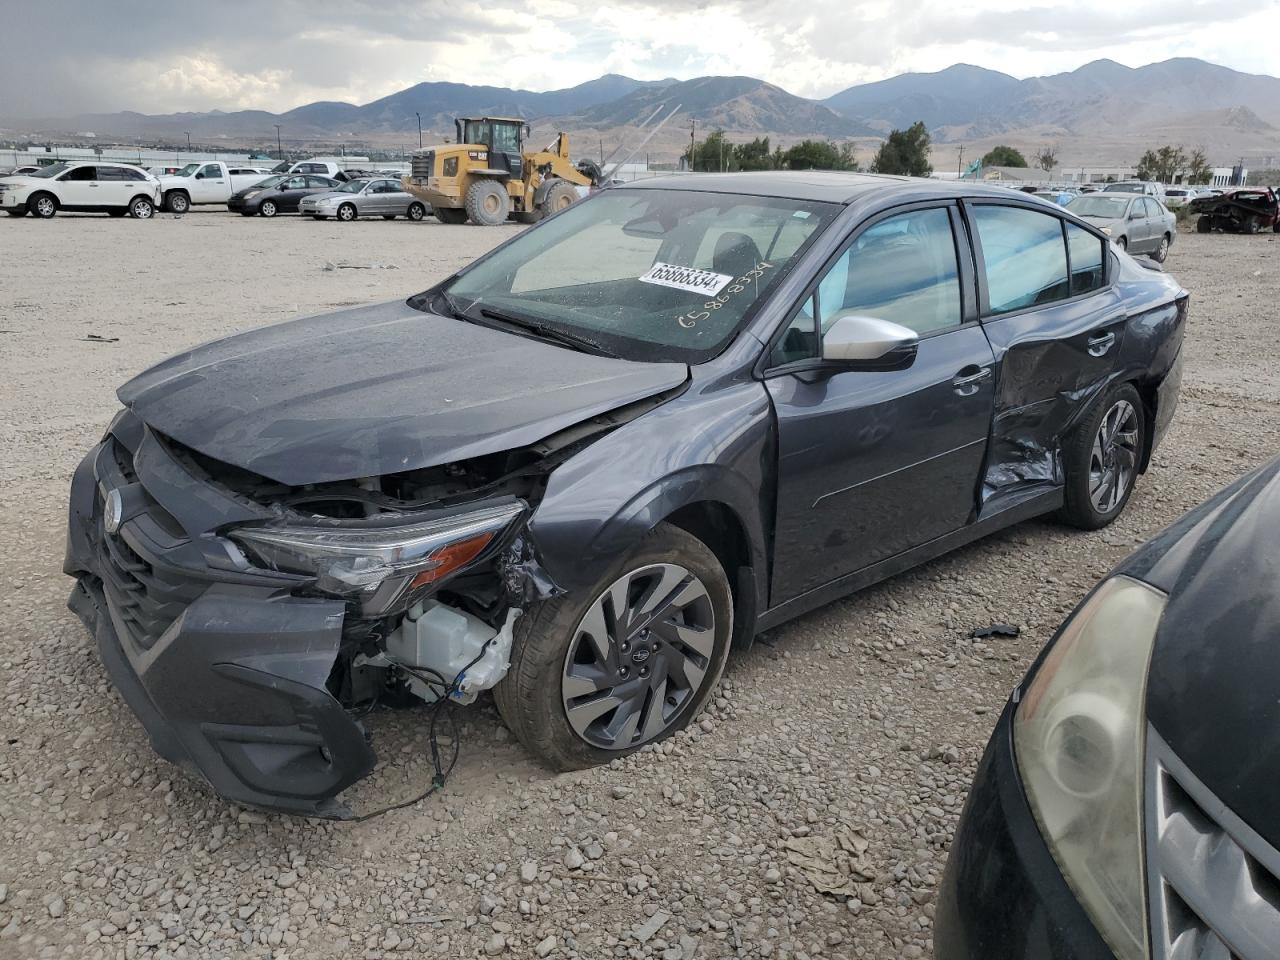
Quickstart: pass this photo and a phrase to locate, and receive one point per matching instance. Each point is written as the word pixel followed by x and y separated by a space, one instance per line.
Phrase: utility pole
pixel 188 133
pixel 419 116
pixel 279 143
pixel 693 144
pixel 960 163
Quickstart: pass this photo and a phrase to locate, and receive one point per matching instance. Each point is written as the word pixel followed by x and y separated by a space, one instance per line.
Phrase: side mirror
pixel 857 340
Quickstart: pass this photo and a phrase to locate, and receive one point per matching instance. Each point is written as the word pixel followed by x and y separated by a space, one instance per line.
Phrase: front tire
pixel 1101 459
pixel 598 674
pixel 488 203
pixel 268 208
pixel 347 212
pixel 177 202
pixel 43 205
pixel 140 208
pixel 560 195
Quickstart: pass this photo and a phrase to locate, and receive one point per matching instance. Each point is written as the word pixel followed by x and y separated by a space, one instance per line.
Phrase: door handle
pixel 1100 343
pixel 966 384
pixel 94 185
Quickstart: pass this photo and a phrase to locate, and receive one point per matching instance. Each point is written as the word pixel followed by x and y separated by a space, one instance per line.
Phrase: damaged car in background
pixel 580 470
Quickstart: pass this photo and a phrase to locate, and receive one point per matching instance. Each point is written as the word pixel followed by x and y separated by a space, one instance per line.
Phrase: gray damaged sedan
pixel 384 198
pixel 581 470
pixel 1135 223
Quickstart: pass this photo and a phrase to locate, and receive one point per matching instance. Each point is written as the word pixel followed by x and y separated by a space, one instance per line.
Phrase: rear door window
pixel 1024 257
pixel 1086 252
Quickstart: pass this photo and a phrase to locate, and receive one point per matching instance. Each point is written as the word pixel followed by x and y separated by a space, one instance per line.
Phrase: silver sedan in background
pixel 1135 223
pixel 373 197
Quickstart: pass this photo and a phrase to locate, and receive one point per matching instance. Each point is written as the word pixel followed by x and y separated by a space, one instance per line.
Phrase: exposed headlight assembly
pixel 1078 736
pixel 383 567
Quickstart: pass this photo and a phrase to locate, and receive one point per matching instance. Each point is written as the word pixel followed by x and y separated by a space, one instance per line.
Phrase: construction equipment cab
pixel 488 175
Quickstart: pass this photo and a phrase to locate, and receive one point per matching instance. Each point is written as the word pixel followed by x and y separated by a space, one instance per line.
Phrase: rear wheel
pixel 141 208
pixel 416 211
pixel 1250 225
pixel 599 674
pixel 43 205
pixel 450 215
pixel 1101 459
pixel 268 208
pixel 1162 251
pixel 488 203
pixel 560 195
pixel 347 212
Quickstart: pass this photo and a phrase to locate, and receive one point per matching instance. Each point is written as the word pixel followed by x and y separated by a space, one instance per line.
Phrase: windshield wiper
pixel 545 331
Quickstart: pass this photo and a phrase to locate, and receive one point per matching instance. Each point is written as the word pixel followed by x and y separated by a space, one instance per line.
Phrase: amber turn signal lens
pixel 453 557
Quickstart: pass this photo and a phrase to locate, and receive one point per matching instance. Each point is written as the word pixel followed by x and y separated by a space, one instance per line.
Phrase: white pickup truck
pixel 209 181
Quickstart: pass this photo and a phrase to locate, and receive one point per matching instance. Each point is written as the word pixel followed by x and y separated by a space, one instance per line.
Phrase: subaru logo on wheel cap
pixel 112 511
pixel 641 655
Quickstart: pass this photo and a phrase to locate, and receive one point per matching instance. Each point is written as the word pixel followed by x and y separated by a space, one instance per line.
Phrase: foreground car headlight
pixel 381 566
pixel 1078 736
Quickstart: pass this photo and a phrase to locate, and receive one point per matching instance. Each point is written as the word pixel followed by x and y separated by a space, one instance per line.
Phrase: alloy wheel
pixel 1114 457
pixel 45 207
pixel 142 210
pixel 268 208
pixel 638 657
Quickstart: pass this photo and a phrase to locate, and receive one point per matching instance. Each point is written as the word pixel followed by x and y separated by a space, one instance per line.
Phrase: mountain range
pixel 1103 102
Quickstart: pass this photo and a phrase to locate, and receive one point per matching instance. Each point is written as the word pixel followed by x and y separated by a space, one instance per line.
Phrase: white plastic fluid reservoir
pixel 440 638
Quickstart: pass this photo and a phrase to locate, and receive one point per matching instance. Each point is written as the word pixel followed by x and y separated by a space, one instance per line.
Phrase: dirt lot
pixel 869 714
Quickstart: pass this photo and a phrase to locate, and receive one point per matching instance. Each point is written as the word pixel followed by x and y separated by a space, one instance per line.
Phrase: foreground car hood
pixel 1214 688
pixel 377 390
pixel 332 195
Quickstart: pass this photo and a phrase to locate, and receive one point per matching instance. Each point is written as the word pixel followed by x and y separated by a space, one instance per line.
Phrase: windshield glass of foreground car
pixel 646 274
pixel 1108 208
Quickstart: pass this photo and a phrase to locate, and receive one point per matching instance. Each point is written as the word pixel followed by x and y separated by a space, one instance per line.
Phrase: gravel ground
pixel 864 718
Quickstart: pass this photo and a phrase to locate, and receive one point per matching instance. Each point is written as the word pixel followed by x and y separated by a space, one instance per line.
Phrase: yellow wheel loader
pixel 488 176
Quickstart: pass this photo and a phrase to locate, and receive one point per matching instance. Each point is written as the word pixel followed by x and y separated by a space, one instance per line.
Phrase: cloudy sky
pixel 162 57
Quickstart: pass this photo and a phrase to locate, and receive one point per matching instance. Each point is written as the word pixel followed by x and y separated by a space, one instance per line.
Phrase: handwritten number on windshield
pixel 746 281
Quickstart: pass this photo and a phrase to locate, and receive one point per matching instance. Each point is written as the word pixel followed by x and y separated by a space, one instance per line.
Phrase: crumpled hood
pixel 378 389
pixel 1213 691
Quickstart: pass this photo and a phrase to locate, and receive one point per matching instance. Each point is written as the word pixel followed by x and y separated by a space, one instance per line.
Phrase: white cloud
pixel 157 56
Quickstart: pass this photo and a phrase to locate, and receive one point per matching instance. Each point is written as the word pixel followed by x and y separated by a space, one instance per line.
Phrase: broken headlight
pixel 382 567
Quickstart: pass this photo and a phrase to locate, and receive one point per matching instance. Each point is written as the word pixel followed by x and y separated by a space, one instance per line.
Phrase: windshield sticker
pixel 690 279
pixel 748 282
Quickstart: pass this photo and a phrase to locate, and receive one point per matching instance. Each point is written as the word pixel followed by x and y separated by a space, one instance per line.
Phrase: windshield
pixel 1096 205
pixel 646 274
pixel 50 171
pixel 352 186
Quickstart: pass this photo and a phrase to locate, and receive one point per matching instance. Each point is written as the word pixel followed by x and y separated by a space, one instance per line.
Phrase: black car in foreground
pixel 279 194
pixel 580 470
pixel 1128 804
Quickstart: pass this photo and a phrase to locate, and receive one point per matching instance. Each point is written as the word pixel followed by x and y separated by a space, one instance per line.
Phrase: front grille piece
pixel 1213 882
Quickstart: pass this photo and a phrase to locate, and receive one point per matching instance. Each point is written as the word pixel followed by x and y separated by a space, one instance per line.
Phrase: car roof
pixel 824 186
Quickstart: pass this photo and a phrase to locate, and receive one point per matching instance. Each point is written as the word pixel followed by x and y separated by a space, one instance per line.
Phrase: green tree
pixel 713 154
pixel 906 152
pixel 813 155
pixel 848 159
pixel 1162 164
pixel 1047 159
pixel 754 155
pixel 1003 156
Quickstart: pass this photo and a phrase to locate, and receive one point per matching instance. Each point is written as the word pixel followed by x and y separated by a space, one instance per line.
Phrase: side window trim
pixel 980 273
pixel 964 270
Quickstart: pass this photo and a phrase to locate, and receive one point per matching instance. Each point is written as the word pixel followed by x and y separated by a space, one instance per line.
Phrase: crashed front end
pixel 249 624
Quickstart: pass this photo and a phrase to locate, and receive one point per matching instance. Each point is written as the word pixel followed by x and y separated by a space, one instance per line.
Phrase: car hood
pixel 376 390
pixel 1213 691
pixel 1102 221
pixel 256 189
pixel 332 195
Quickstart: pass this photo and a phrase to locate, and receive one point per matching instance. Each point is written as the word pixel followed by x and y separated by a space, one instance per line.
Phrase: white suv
pixel 114 188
